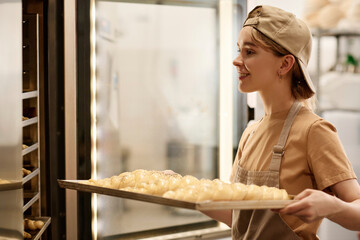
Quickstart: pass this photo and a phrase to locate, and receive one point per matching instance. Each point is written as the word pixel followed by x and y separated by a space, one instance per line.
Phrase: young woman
pixel 290 147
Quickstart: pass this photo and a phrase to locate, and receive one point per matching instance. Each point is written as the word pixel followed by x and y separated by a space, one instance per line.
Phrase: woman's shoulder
pixel 308 117
pixel 310 120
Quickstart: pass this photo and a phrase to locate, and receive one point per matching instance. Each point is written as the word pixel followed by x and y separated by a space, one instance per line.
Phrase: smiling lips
pixel 243 75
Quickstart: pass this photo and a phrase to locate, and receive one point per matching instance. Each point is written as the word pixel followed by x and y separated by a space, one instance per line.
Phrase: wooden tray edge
pixel 77 185
pixel 206 205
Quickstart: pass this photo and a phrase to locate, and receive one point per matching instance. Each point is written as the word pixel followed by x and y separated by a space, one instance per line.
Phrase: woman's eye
pixel 249 52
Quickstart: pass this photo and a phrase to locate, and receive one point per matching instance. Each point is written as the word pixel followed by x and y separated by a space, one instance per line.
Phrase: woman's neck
pixel 276 101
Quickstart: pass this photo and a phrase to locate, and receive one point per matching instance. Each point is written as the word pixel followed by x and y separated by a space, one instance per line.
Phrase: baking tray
pixel 79 185
pixel 12 185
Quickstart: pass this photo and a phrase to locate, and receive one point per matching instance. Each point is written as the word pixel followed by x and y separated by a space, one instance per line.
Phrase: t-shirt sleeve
pixel 326 156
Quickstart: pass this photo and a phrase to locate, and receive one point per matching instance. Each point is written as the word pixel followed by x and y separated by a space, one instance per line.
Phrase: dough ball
pixel 180 194
pixel 140 190
pixel 30 224
pixel 140 175
pixel 25 172
pixel 222 192
pixel 205 182
pixel 189 180
pixel 27 235
pixel 115 182
pixel 128 189
pixel 106 183
pixel 161 187
pixel 277 194
pixel 39 224
pixel 254 193
pixel 89 182
pixel 169 194
pixel 268 192
pixel 155 177
pixel 174 183
pixel 141 185
pixel 280 194
pixel 285 195
pixel 127 180
pixel 239 191
pixel 217 181
pixel 152 188
pixel 191 194
pixel 205 193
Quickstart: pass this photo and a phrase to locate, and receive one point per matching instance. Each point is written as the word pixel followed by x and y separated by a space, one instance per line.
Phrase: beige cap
pixel 286 30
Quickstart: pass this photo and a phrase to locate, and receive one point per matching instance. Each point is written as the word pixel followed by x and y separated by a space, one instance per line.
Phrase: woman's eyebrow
pixel 251 44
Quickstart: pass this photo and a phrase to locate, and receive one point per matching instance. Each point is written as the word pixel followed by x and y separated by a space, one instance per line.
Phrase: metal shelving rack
pixel 337 34
pixel 31 124
pixel 332 231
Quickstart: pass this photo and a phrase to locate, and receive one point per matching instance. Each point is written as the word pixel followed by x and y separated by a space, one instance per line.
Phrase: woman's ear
pixel 288 62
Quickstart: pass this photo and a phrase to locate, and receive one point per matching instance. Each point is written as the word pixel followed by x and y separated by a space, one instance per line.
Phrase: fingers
pixel 304 194
pixel 306 207
pixel 294 207
pixel 302 201
pixel 303 209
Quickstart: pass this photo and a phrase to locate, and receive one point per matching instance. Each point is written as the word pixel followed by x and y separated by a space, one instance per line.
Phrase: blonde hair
pixel 299 88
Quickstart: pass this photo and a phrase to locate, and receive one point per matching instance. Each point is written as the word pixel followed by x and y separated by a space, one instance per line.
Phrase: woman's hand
pixel 312 205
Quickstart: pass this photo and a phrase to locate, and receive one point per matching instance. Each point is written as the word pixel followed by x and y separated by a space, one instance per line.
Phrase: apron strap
pixel 278 149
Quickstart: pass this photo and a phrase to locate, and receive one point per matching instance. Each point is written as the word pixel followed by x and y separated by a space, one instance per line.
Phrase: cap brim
pixel 306 75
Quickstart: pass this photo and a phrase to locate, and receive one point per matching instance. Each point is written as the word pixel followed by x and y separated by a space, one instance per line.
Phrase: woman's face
pixel 257 67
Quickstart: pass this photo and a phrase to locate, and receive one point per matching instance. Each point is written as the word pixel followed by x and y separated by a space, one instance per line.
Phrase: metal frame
pixel 54 122
pixel 70 115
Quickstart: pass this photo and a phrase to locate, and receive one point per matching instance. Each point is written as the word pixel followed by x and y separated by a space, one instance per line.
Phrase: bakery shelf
pixel 30 121
pixel 35 235
pixel 80 185
pixel 31 175
pixel 31 94
pixel 34 197
pixel 12 185
pixel 31 148
pixel 338 109
pixel 334 32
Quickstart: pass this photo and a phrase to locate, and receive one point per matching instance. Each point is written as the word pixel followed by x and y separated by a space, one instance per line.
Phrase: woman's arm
pixel 224 216
pixel 343 209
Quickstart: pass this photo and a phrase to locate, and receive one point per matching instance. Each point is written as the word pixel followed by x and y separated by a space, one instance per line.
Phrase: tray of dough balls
pixel 34 227
pixel 183 191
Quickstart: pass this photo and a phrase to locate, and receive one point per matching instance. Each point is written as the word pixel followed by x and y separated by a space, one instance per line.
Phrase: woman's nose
pixel 238 61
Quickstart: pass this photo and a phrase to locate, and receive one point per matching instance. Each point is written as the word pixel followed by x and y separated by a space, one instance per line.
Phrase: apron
pixel 265 224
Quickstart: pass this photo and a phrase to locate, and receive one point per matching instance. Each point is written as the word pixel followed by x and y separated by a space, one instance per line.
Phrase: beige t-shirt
pixel 313 158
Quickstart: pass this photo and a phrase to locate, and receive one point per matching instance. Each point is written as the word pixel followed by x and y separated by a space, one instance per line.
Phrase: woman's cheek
pixel 247 65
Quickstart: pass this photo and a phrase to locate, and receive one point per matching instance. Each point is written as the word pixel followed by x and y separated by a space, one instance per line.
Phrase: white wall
pixel 10 116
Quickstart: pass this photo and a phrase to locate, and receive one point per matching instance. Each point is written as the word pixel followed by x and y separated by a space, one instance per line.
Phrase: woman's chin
pixel 243 89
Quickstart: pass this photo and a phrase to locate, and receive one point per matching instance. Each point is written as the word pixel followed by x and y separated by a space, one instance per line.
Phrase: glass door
pixel 159 78
pixel 157 102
